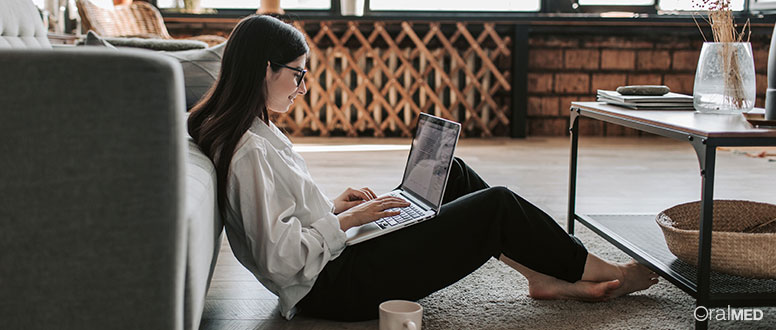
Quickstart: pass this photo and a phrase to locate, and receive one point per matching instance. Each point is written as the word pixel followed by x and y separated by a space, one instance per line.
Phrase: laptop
pixel 424 181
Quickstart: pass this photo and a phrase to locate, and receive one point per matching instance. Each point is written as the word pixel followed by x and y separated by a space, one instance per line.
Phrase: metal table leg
pixel 574 130
pixel 706 156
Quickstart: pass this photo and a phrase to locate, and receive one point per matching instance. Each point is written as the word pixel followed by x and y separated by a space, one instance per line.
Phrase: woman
pixel 291 237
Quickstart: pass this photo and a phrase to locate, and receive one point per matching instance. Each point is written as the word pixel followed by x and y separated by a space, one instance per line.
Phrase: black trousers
pixel 475 223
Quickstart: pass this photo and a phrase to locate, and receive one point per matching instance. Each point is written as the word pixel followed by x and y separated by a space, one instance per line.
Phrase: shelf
pixel 639 236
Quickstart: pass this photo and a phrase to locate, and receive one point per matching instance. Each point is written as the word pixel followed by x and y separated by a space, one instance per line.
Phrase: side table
pixel 639 235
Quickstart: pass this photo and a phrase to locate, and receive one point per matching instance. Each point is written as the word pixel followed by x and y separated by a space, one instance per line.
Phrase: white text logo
pixel 702 313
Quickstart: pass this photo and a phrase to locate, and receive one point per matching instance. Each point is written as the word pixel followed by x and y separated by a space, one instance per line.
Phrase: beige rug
pixel 495 297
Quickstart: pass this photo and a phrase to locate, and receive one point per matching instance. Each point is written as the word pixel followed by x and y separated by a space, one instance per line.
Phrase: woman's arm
pixel 268 195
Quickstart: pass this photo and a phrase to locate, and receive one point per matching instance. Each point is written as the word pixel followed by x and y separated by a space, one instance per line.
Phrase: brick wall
pixel 571 65
pixel 563 69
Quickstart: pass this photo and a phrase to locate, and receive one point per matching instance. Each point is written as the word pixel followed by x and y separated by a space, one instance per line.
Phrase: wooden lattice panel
pixel 374 78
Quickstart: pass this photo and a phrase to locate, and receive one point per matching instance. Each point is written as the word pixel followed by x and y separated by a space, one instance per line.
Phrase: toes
pixel 609 290
pixel 613 284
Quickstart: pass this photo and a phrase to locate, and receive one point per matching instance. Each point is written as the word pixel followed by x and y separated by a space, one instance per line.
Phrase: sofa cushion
pixel 205 227
pixel 21 25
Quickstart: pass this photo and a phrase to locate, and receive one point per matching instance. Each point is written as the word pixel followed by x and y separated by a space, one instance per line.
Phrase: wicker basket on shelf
pixel 743 236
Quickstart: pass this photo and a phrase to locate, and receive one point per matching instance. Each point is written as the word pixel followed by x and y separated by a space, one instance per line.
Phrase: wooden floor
pixel 616 175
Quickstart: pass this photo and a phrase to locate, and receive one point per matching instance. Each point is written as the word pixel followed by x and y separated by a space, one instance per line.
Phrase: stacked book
pixel 669 101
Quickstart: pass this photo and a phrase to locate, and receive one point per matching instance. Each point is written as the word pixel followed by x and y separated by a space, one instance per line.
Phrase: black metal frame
pixel 705 149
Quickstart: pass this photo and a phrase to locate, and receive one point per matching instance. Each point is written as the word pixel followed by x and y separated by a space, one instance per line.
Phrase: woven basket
pixel 743 240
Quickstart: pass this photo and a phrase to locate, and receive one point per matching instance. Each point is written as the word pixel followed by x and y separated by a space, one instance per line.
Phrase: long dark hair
pixel 239 95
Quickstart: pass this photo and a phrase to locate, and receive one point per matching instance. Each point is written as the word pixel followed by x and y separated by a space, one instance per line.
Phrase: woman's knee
pixel 457 166
pixel 500 192
pixel 496 199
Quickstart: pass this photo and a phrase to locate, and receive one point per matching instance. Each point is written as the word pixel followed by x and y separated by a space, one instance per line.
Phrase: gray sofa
pixel 107 209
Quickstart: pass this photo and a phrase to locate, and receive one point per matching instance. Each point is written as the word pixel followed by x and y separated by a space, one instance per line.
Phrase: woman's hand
pixel 370 211
pixel 352 197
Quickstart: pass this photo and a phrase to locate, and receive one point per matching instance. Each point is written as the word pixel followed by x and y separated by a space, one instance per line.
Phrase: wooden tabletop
pixel 708 125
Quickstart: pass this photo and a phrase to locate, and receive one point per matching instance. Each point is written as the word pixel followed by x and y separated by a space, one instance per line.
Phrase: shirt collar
pixel 272 133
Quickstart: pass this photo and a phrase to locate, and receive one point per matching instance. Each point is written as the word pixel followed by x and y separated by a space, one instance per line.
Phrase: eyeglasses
pixel 302 71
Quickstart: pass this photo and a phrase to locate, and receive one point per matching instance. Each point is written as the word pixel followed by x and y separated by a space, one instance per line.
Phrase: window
pixel 481 5
pixel 762 5
pixel 617 2
pixel 669 5
pixel 456 5
pixel 250 4
pixel 736 5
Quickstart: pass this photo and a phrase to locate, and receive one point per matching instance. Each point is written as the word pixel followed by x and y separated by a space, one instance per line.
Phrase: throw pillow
pixel 92 39
pixel 157 44
pixel 200 70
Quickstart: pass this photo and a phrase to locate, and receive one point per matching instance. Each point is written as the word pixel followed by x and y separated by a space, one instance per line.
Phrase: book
pixel 670 101
pixel 650 106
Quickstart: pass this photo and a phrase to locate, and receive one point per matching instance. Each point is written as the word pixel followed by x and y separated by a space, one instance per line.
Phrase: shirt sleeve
pixel 285 251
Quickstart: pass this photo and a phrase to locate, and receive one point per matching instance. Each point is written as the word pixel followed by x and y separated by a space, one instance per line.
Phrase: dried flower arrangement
pixel 720 18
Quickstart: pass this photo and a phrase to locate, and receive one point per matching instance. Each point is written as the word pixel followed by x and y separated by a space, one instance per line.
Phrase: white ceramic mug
pixel 400 315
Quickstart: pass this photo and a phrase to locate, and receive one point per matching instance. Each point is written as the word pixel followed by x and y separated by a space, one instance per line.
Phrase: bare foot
pixel 609 281
pixel 550 288
pixel 634 277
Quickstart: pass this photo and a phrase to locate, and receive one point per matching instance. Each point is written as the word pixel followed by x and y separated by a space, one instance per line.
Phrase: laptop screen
pixel 430 158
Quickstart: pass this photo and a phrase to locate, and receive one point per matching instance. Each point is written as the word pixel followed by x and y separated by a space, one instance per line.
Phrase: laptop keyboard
pixel 407 214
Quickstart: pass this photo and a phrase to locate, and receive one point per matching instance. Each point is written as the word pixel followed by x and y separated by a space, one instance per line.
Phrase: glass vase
pixel 724 78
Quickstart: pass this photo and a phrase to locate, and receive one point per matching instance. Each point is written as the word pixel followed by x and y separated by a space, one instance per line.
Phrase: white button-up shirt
pixel 279 223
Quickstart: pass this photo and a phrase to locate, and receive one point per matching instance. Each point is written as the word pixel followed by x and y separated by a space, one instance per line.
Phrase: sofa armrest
pixel 91 214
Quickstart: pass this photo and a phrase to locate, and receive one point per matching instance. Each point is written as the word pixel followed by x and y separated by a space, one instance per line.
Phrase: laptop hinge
pixel 416 200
